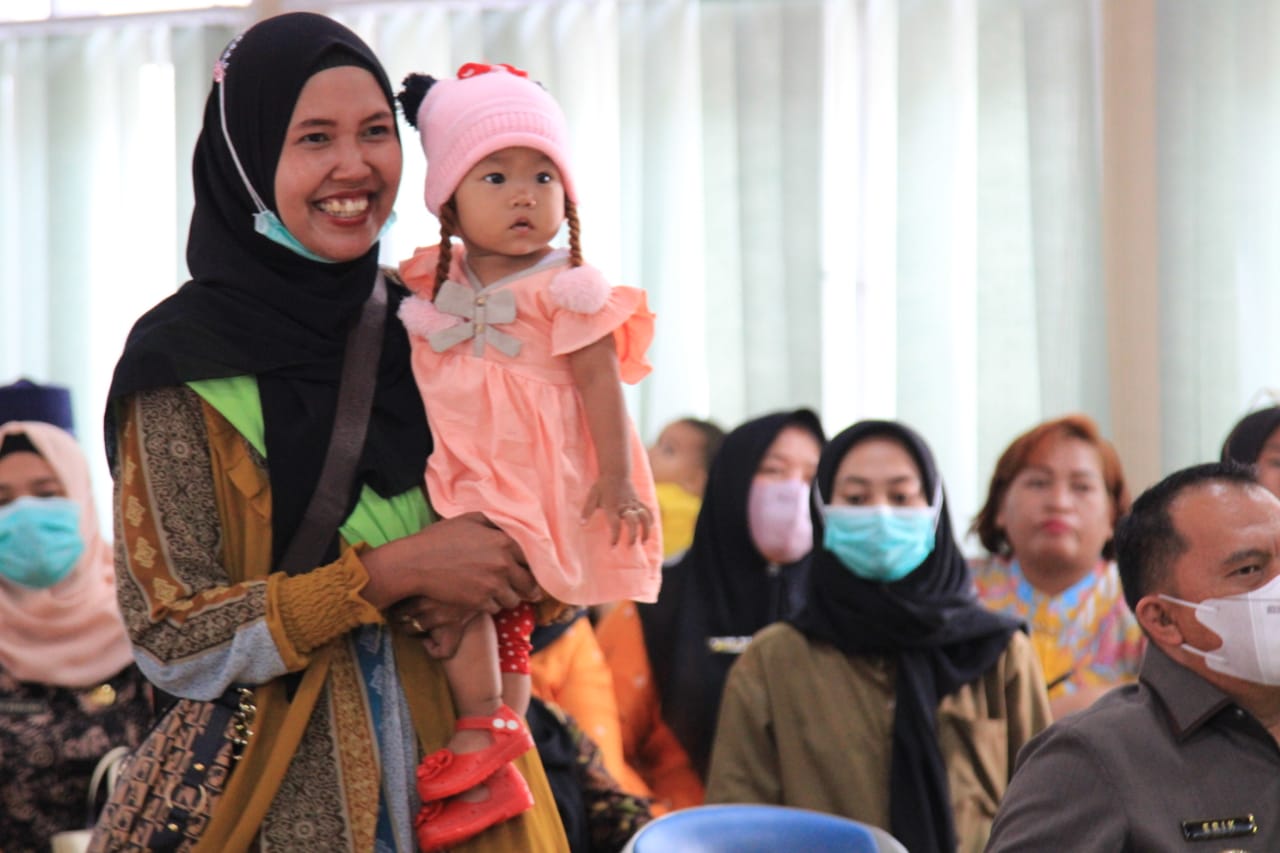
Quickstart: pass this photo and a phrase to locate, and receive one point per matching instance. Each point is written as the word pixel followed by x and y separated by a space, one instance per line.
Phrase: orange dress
pixel 572 674
pixel 649 745
pixel 509 428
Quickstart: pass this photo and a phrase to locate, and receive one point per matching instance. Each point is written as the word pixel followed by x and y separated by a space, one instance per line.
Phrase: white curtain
pixel 1219 176
pixel 874 208
pixel 97 124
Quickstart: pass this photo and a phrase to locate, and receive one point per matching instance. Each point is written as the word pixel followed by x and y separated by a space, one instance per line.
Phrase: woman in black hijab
pixel 891 697
pixel 1255 440
pixel 669 659
pixel 219 418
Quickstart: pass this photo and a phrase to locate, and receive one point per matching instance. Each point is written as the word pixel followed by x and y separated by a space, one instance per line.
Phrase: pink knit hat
pixel 488 108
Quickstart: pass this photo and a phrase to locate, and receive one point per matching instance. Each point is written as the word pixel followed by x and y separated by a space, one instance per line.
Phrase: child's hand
pixel 616 497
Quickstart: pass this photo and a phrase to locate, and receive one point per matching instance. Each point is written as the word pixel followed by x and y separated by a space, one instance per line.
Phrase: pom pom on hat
pixel 486 109
pixel 25 400
pixel 583 289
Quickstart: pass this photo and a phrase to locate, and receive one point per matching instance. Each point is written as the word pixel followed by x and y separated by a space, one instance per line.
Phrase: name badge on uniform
pixel 728 645
pixel 22 707
pixel 1219 828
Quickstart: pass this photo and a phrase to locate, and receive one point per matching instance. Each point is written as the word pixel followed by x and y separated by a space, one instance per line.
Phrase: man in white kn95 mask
pixel 1187 759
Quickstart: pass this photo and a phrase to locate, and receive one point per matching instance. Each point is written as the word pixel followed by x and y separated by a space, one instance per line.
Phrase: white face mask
pixel 1249 625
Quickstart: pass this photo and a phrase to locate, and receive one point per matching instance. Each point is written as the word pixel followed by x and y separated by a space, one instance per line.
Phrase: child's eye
pixel 545 177
pixel 495 178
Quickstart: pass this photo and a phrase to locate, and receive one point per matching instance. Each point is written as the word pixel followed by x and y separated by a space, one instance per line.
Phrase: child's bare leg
pixel 516 688
pixel 473 677
pixel 479 689
pixel 492 655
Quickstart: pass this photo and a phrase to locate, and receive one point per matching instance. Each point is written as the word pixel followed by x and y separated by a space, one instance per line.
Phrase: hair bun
pixel 410 97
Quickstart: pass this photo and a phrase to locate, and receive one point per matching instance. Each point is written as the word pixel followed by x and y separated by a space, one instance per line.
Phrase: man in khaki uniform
pixel 1187 759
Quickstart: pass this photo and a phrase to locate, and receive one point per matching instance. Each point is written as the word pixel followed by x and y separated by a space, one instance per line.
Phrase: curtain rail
pixel 232 17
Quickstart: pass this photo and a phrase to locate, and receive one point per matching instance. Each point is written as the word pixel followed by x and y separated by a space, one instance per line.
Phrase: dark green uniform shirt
pixel 1168 764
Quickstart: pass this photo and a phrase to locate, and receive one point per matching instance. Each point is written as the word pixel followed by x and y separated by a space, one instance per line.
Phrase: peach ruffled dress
pixel 508 424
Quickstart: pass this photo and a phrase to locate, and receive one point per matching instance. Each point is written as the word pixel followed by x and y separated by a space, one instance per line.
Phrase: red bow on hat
pixel 471 69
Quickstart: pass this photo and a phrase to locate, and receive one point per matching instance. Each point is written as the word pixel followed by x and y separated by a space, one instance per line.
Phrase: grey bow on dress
pixel 480 312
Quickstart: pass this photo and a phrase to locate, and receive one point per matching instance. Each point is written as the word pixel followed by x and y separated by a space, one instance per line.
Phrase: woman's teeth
pixel 344 207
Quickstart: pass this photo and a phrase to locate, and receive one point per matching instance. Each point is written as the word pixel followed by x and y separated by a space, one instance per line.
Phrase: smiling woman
pixel 305 708
pixel 340 166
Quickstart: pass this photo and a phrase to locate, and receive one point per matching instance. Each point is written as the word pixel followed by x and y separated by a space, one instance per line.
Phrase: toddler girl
pixel 518 349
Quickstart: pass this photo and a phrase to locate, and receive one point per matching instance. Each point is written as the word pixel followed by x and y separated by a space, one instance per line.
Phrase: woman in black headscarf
pixel 891 697
pixel 218 424
pixel 1255 440
pixel 669 659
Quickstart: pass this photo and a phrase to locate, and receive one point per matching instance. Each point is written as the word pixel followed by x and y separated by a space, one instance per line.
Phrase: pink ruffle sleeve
pixel 626 314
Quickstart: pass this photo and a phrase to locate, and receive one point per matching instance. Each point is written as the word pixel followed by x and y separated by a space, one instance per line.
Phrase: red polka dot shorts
pixel 514 627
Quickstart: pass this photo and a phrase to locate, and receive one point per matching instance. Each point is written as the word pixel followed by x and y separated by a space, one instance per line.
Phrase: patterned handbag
pixel 168 787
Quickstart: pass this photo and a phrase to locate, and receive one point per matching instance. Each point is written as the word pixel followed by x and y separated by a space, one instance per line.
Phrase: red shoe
pixel 445 773
pixel 442 825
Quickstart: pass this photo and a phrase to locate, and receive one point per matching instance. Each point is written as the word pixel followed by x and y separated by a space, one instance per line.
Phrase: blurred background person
pixel 1047 523
pixel 669 659
pixel 568 670
pixel 69 690
pixel 892 697
pixel 680 459
pixel 598 815
pixel 1255 440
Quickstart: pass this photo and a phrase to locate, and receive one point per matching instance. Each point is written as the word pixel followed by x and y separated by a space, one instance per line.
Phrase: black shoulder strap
pixel 355 397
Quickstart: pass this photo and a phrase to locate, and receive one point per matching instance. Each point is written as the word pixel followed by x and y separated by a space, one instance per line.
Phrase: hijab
pixel 1245 443
pixel 930 622
pixel 71 634
pixel 253 307
pixel 721 587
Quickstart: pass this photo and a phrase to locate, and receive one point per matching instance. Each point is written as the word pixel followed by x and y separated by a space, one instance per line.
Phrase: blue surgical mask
pixel 881 543
pixel 39 540
pixel 268 224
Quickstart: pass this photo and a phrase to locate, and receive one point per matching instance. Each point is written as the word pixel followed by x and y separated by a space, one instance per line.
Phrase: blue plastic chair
pixel 759 828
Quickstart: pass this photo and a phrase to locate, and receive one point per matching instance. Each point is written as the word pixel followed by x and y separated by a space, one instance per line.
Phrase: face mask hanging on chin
pixel 268 224
pixel 1249 625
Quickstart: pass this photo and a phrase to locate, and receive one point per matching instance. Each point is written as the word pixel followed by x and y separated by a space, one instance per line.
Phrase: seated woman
pixel 1255 440
pixel 892 697
pixel 669 659
pixel 568 671
pixel 1054 499
pixel 69 689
